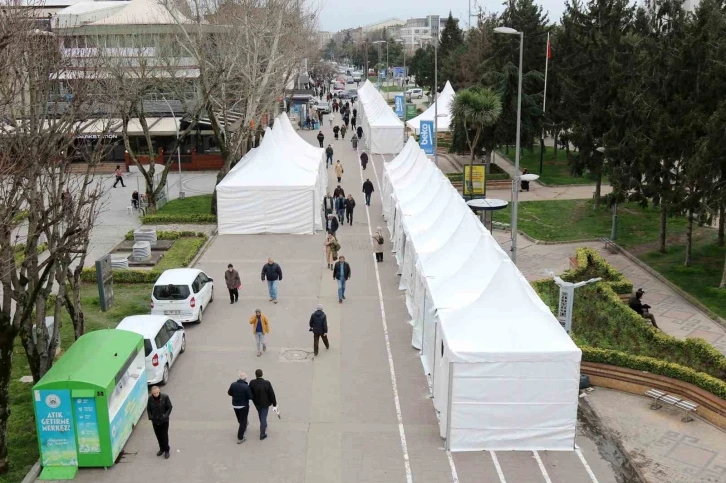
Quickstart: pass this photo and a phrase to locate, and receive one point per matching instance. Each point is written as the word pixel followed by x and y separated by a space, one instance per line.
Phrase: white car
pixel 414 93
pixel 164 340
pixel 182 294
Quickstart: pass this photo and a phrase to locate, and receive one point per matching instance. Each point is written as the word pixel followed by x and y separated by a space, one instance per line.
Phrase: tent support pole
pixel 448 406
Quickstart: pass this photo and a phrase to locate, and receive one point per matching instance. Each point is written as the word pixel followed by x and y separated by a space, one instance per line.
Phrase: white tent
pixel 276 188
pixel 382 129
pixel 445 101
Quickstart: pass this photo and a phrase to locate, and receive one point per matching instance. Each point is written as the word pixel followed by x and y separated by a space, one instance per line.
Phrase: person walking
pixel 332 225
pixel 321 137
pixel 328 204
pixel 367 190
pixel 364 160
pixel 158 408
pixel 353 121
pixel 360 132
pixel 263 396
pixel 338 170
pixel 355 112
pixel 349 206
pixel 346 120
pixel 241 397
pixel 331 249
pixel 343 129
pixel 119 177
pixel 328 155
pixel 260 327
pixel 378 241
pixel 354 141
pixel 331 118
pixel 273 273
pixel 337 191
pixel 336 131
pixel 341 274
pixel 340 207
pixel 234 282
pixel 319 328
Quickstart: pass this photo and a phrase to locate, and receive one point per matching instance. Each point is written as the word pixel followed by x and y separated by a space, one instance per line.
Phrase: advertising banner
pixel 54 418
pixel 426 137
pixel 399 72
pixel 410 111
pixel 87 425
pixel 474 177
pixel 400 105
pixel 128 414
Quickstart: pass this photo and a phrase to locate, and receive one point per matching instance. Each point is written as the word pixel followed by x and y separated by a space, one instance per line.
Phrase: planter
pixel 710 407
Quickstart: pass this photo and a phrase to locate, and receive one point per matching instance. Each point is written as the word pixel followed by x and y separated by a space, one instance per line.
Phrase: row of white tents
pixel 445 101
pixel 382 129
pixel 504 374
pixel 277 187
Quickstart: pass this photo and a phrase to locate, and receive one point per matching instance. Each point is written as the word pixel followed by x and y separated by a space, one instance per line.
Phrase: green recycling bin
pixel 89 402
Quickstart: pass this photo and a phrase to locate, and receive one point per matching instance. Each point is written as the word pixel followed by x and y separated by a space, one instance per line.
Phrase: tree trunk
pixel 663 222
pixel 598 187
pixel 723 285
pixel 7 337
pixel 721 223
pixel 689 238
pixel 554 135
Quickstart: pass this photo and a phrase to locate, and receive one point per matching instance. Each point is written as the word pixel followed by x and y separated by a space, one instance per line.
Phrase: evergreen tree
pixel 452 37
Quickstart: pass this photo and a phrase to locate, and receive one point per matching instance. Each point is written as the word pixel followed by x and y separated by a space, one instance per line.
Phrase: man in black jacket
pixel 273 273
pixel 263 396
pixel 368 189
pixel 241 396
pixel 328 204
pixel 338 191
pixel 640 307
pixel 158 408
pixel 328 156
pixel 341 274
pixel 349 207
pixel 321 137
pixel 319 328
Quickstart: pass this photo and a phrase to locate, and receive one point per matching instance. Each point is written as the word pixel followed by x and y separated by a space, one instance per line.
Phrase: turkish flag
pixel 549 48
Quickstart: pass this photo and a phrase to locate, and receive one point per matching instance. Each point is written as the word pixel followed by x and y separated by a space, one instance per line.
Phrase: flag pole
pixel 544 106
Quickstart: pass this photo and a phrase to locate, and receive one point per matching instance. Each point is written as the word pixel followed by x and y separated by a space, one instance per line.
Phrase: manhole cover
pixel 295 355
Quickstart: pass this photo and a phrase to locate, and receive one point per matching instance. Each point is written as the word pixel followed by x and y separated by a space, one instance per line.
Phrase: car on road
pixel 182 294
pixel 164 341
pixel 349 80
pixel 357 76
pixel 322 106
pixel 352 94
pixel 415 93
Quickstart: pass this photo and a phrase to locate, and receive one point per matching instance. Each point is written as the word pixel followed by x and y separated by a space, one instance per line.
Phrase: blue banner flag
pixel 400 106
pixel 426 137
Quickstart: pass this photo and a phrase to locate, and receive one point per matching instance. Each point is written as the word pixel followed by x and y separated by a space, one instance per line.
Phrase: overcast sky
pixel 341 14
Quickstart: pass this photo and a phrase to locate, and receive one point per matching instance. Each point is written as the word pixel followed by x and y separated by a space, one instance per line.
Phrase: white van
pixel 415 93
pixel 164 340
pixel 182 294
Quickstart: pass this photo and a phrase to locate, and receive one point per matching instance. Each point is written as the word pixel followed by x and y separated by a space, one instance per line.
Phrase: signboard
pixel 87 425
pixel 399 72
pixel 126 417
pixel 54 419
pixel 400 105
pixel 474 177
pixel 410 111
pixel 426 137
pixel 104 280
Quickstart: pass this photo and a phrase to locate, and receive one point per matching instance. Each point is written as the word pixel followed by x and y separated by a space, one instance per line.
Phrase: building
pixel 324 38
pixel 416 30
pixel 392 25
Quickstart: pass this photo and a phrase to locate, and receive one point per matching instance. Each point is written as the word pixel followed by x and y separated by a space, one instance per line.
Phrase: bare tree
pixel 246 52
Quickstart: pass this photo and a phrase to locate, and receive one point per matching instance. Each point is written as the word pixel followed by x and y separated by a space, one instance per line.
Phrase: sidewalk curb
pixel 204 248
pixel 33 473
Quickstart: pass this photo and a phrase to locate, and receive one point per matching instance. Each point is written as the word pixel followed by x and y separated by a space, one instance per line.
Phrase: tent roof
pixel 507 322
pixel 445 101
pixel 143 12
pixel 377 110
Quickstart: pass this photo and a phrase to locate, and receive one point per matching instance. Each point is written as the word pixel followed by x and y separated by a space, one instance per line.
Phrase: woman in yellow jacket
pixel 260 327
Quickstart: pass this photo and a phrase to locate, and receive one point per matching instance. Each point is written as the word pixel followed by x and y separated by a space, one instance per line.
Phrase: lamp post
pixel 403 82
pixel 436 95
pixel 379 42
pixel 178 147
pixel 614 228
pixel 515 181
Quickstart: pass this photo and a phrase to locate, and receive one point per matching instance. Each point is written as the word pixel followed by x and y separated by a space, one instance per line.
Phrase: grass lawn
pixel 191 205
pixel 702 278
pixel 570 220
pixel 555 171
pixel 22 445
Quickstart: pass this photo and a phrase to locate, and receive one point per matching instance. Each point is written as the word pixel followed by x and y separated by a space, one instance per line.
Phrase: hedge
pixel 602 322
pixel 169 235
pixel 160 219
pixel 180 255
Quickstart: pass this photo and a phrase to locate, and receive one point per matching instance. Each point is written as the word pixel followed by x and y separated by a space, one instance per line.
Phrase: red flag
pixel 549 48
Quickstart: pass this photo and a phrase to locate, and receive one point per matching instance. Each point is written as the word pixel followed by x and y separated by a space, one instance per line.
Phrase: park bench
pixel 660 398
pixel 610 245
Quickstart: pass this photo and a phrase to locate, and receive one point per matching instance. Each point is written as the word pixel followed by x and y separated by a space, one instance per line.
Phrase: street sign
pixel 400 105
pixel 474 178
pixel 399 72
pixel 410 111
pixel 426 137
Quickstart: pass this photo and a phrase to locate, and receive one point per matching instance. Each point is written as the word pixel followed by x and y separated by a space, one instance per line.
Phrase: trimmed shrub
pixel 160 219
pixel 169 235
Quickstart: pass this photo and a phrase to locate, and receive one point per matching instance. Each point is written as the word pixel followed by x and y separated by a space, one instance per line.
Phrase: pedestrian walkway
pixel 674 314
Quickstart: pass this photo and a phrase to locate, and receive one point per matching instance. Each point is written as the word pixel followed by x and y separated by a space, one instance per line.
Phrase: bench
pixel 610 245
pixel 624 297
pixel 661 397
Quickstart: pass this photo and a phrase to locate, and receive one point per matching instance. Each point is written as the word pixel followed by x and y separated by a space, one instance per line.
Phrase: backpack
pixel 379 240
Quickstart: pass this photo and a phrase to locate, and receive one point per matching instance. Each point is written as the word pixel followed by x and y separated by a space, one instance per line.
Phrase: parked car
pixel 322 106
pixel 182 294
pixel 357 76
pixel 349 80
pixel 352 94
pixel 415 93
pixel 164 341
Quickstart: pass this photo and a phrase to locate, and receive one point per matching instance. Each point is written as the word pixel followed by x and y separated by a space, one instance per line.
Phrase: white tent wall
pixel 445 101
pixel 383 130
pixel 268 210
pixel 391 168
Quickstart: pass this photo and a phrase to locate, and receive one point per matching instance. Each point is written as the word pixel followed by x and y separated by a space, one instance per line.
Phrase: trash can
pixel 88 403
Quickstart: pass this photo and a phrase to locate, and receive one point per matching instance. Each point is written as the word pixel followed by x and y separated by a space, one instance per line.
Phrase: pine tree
pixel 452 37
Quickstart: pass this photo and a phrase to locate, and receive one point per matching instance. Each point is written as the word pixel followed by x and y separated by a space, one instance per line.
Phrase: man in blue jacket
pixel 341 274
pixel 273 273
pixel 241 396
pixel 319 328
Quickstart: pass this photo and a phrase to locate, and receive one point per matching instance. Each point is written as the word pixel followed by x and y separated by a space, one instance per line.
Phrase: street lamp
pixel 614 228
pixel 379 42
pixel 436 97
pixel 515 181
pixel 178 147
pixel 403 83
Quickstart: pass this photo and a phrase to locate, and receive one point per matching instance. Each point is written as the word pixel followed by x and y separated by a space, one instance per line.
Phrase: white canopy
pixel 445 101
pixel 382 129
pixel 504 373
pixel 276 188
